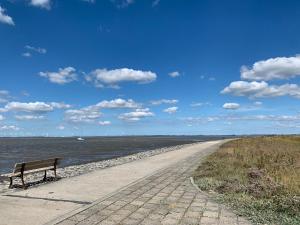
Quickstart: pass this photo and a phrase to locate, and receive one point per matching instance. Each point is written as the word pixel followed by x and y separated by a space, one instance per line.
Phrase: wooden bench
pixel 24 168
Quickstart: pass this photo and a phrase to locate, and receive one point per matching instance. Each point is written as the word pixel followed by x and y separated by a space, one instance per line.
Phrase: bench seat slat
pixel 29 172
pixel 34 165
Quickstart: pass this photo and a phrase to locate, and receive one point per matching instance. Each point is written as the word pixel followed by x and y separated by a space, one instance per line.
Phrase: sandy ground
pixel 44 203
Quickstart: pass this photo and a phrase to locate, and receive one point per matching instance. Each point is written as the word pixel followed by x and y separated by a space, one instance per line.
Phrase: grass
pixel 258 177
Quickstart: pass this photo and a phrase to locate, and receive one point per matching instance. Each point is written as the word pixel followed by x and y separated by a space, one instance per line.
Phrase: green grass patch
pixel 258 177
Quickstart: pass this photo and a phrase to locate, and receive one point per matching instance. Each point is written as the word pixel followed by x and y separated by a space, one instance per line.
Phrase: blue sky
pixel 123 67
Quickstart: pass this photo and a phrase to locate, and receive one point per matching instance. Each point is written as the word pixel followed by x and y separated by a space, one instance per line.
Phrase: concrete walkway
pixel 167 197
pixel 68 199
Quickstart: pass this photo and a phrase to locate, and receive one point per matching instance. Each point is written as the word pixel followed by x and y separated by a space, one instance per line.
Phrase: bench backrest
pixel 26 166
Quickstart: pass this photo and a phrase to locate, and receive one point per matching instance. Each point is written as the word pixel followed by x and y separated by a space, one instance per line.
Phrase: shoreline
pixel 80 169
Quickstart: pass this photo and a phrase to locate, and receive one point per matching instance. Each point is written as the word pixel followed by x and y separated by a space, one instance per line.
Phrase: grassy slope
pixel 259 177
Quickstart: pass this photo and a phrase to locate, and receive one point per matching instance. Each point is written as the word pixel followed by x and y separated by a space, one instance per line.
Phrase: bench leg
pixel 23 183
pixel 55 172
pixel 45 175
pixel 11 182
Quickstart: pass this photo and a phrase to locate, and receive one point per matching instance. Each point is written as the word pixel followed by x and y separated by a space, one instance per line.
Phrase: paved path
pixel 40 204
pixel 166 197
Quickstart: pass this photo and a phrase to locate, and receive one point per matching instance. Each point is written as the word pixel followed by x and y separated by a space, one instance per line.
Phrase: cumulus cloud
pixel 257 103
pixel 86 115
pixel 92 113
pixel 122 3
pixel 4 96
pixel 32 107
pixel 273 68
pixel 29 117
pixel 155 3
pixel 174 74
pixel 261 89
pixel 60 105
pixel 9 128
pixel 171 110
pixel 111 78
pixel 89 1
pixel 200 104
pixel 192 120
pixel 118 103
pixel 231 105
pixel 26 54
pixel 136 115
pixel 45 4
pixel 230 118
pixel 104 123
pixel 63 76
pixel 36 49
pixel 265 117
pixel 164 101
pixel 60 127
pixel 4 18
pixel 2 117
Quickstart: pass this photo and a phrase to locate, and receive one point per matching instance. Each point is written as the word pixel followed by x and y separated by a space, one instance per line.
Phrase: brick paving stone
pixel 129 221
pixel 68 222
pixel 189 221
pixel 164 198
pixel 211 214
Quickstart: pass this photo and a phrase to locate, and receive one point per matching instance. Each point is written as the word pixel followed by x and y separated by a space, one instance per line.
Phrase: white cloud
pixel 36 49
pixel 104 123
pixel 9 128
pixel 60 105
pixel 200 104
pixel 4 96
pixel 171 110
pixel 5 18
pixel 122 3
pixel 87 115
pixel 118 103
pixel 273 68
pixel 29 117
pixel 164 101
pixel 63 76
pixel 231 105
pixel 26 54
pixel 2 117
pixel 265 117
pixel 257 103
pixel 155 3
pixel 60 127
pixel 229 118
pixel 174 74
pixel 89 1
pixel 111 78
pixel 33 107
pixel 261 89
pixel 45 4
pixel 136 115
pixel 192 120
pixel 92 112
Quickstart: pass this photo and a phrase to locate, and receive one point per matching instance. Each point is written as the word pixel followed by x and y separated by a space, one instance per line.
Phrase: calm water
pixel 72 151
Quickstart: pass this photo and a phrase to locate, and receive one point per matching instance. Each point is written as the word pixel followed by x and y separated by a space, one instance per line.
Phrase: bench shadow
pixel 36 183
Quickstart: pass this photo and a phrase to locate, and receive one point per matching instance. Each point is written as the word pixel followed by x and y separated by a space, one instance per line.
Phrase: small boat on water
pixel 80 139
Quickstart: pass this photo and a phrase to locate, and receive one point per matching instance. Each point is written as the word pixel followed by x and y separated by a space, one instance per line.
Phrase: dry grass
pixel 260 177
